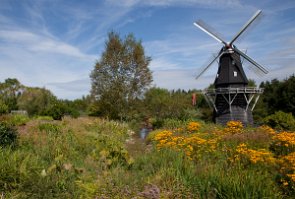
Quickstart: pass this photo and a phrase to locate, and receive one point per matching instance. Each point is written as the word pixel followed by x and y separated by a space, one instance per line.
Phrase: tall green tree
pixel 35 101
pixel 10 90
pixel 277 96
pixel 162 104
pixel 120 76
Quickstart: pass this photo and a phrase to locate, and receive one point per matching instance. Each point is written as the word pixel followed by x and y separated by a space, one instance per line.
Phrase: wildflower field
pixel 96 158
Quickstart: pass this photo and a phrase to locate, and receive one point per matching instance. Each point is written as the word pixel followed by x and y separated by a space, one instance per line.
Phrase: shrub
pixel 281 121
pixel 8 135
pixel 173 123
pixel 18 120
pixel 3 108
pixel 56 111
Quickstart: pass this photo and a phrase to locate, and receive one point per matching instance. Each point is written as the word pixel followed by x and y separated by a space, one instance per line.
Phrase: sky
pixel 55 43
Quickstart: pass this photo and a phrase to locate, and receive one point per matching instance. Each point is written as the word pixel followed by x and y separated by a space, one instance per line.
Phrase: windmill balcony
pixel 231 103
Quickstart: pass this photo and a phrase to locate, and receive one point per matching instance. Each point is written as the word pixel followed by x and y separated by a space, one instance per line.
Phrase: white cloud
pixel 37 43
pixel 71 89
pixel 214 3
pixel 183 79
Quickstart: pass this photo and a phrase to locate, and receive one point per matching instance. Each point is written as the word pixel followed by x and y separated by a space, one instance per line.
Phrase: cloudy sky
pixel 55 43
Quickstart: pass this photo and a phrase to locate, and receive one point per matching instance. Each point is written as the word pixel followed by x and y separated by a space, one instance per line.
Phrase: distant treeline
pixel 158 103
pixel 277 96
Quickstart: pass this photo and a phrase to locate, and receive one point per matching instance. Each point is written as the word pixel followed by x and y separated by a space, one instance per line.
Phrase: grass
pixel 96 158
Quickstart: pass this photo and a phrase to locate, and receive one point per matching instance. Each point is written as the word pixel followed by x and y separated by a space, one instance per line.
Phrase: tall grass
pixel 87 158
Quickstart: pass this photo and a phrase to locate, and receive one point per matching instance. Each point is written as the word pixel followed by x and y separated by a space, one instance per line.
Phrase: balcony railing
pixel 230 90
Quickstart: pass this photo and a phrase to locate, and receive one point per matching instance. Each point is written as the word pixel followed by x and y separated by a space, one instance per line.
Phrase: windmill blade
pixel 250 66
pixel 242 60
pixel 246 26
pixel 261 68
pixel 207 66
pixel 254 69
pixel 200 24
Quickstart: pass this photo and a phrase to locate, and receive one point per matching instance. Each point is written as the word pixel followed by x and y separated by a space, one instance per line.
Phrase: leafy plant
pixel 18 119
pixel 3 107
pixel 281 121
pixel 8 135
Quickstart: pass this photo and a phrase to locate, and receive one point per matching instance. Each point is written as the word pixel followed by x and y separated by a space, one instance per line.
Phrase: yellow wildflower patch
pixel 287 170
pixel 267 129
pixel 283 143
pixel 192 145
pixel 243 153
pixel 233 127
pixel 193 126
pixel 285 139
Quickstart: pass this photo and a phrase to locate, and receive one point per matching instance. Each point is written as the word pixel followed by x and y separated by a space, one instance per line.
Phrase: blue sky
pixel 55 43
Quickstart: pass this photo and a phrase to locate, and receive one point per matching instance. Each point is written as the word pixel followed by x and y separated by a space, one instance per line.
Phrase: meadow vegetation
pixel 89 157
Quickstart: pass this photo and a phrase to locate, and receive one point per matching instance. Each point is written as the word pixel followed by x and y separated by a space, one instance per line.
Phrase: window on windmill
pixel 235 74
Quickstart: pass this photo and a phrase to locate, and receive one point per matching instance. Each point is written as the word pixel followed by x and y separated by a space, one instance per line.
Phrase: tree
pixel 162 104
pixel 10 90
pixel 35 100
pixel 120 76
pixel 277 96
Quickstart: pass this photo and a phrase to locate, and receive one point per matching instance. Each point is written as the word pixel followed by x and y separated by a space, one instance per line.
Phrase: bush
pixel 18 120
pixel 57 111
pixel 8 135
pixel 173 123
pixel 3 108
pixel 281 121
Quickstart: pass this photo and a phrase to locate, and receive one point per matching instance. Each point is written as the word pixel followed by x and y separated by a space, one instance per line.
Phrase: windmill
pixel 231 98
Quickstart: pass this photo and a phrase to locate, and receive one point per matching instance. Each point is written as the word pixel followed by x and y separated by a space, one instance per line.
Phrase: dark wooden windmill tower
pixel 231 98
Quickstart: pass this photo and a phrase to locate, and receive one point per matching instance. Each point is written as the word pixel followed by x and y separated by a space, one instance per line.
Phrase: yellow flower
pixel 254 156
pixel 193 126
pixel 267 129
pixel 285 138
pixel 285 183
pixel 233 127
pixel 291 176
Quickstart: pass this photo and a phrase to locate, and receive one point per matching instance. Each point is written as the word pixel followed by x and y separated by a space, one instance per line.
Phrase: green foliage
pixel 279 95
pixel 3 107
pixel 281 121
pixel 90 158
pixel 46 118
pixel 111 152
pixel 222 182
pixel 56 110
pixel 18 119
pixel 49 128
pixel 41 165
pixel 10 91
pixel 119 77
pixel 251 83
pixel 8 135
pixel 36 100
pixel 173 123
pixel 161 104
